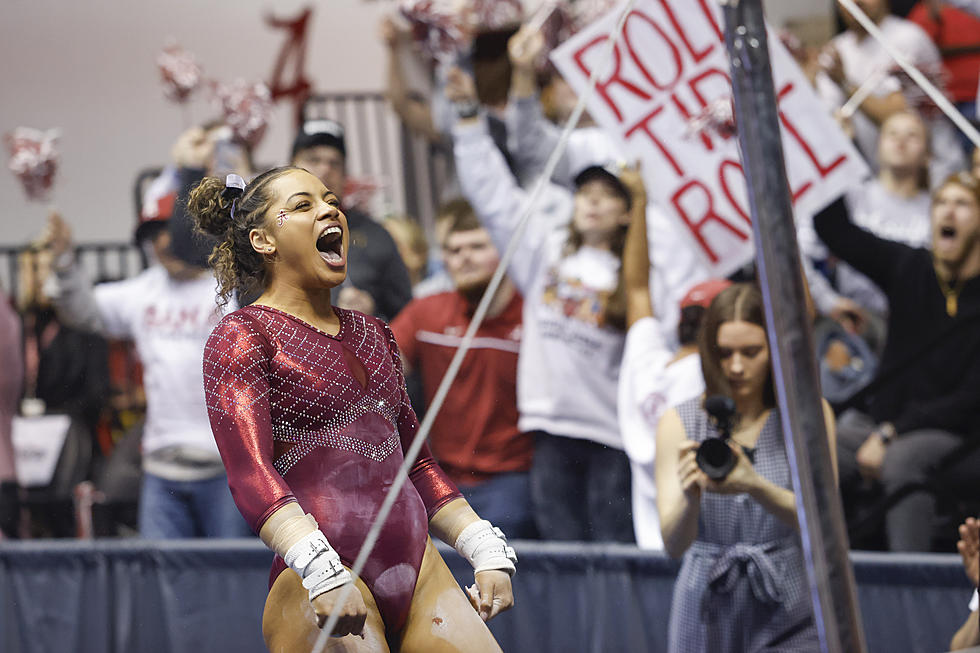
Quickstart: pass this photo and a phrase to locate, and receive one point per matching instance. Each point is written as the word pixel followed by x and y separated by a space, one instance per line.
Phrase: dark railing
pixel 103 261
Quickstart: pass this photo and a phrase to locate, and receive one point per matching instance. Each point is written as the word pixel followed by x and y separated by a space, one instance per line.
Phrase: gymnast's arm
pixel 451 518
pixel 236 373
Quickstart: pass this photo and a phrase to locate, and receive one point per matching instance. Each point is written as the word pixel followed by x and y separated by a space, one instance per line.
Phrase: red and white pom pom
pixel 34 159
pixel 360 192
pixel 439 27
pixel 718 118
pixel 247 108
pixel 180 72
pixel 492 15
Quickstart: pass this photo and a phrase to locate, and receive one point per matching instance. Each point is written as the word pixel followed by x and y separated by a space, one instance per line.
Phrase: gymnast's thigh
pixel 289 623
pixel 441 619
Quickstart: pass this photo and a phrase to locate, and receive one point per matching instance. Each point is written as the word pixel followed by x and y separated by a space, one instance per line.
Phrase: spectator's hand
pixel 742 478
pixel 390 32
pixel 969 548
pixel 845 123
pixel 56 236
pixel 492 593
pixel 690 475
pixel 870 456
pixel 832 65
pixel 525 47
pixel 356 299
pixel 353 612
pixel 632 177
pixel 193 149
pixel 850 315
pixel 460 86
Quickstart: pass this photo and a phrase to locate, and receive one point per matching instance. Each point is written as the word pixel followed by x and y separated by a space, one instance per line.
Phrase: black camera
pixel 714 456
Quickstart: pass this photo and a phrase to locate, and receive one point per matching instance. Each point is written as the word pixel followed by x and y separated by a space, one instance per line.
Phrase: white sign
pixel 38 442
pixel 661 95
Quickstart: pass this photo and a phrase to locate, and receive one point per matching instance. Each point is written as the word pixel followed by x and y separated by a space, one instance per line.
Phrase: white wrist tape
pixel 317 564
pixel 485 547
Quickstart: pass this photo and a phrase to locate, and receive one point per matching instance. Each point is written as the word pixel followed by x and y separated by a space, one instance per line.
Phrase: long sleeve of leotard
pixel 432 483
pixel 236 386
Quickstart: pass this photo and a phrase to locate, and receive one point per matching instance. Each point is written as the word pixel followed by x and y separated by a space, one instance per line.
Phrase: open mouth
pixel 947 232
pixel 330 244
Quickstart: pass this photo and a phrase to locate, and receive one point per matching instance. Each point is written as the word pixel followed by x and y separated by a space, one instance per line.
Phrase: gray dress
pixel 742 587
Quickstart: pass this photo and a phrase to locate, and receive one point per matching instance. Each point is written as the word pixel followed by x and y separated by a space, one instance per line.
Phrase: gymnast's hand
pixel 492 593
pixel 352 611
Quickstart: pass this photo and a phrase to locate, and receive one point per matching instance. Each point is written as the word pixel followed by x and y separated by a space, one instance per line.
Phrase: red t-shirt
pixel 957 35
pixel 475 435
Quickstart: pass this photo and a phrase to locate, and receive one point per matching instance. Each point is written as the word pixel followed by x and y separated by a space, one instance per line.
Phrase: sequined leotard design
pixel 300 415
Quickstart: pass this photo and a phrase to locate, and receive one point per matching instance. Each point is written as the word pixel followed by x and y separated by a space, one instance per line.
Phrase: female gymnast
pixel 308 406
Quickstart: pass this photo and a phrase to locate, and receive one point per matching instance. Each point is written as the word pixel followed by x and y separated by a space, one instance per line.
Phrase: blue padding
pixel 207 595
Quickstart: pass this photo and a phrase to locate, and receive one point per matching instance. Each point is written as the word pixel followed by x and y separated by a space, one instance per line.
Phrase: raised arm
pixel 636 253
pixel 530 136
pixel 493 192
pixel 413 111
pixel 70 287
pixel 879 259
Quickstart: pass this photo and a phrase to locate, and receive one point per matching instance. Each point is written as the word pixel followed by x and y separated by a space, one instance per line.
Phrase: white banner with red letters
pixel 667 96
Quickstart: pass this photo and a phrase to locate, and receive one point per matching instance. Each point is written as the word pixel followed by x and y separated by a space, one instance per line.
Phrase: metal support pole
pixel 818 505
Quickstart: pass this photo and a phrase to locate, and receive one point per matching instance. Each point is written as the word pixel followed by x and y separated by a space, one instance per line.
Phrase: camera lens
pixel 715 458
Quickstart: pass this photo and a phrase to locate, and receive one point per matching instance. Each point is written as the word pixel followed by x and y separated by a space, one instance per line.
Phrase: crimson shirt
pixel 475 435
pixel 957 35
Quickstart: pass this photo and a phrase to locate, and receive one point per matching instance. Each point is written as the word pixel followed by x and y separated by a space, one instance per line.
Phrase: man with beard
pixel 475 437
pixel 922 415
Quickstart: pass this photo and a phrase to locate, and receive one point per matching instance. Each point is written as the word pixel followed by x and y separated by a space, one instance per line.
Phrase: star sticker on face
pixel 282 217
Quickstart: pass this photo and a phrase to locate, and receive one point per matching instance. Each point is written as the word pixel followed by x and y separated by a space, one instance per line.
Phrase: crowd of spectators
pixel 550 428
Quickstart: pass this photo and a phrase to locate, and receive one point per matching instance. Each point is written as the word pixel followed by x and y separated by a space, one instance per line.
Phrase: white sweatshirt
pixel 649 384
pixel 169 322
pixel 568 368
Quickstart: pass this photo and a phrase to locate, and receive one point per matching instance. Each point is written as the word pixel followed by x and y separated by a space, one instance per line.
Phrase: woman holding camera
pixel 742 584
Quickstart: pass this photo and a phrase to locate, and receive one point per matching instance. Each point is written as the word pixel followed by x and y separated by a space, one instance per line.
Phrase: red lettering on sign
pixel 644 126
pixel 675 53
pixel 822 169
pixel 697 55
pixel 696 225
pixel 602 87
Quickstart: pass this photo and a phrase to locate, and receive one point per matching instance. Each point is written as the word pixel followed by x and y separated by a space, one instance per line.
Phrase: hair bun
pixel 212 214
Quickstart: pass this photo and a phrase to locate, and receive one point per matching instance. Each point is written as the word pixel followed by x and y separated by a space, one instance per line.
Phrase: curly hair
pixel 237 266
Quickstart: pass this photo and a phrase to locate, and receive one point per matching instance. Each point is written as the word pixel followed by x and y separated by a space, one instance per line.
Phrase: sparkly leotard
pixel 300 415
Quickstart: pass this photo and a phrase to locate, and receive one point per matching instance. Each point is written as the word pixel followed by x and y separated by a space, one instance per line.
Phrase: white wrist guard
pixel 317 564
pixel 485 547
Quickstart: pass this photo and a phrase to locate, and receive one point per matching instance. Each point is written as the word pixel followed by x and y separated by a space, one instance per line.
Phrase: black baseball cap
pixel 609 174
pixel 320 131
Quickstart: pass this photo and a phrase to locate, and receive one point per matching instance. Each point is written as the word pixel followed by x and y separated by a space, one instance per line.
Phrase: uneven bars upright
pixel 818 504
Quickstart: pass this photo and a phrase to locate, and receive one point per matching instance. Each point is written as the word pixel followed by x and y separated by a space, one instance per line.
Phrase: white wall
pixel 88 68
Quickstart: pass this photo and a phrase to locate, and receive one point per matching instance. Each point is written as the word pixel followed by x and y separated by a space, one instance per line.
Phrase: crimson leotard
pixel 300 415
